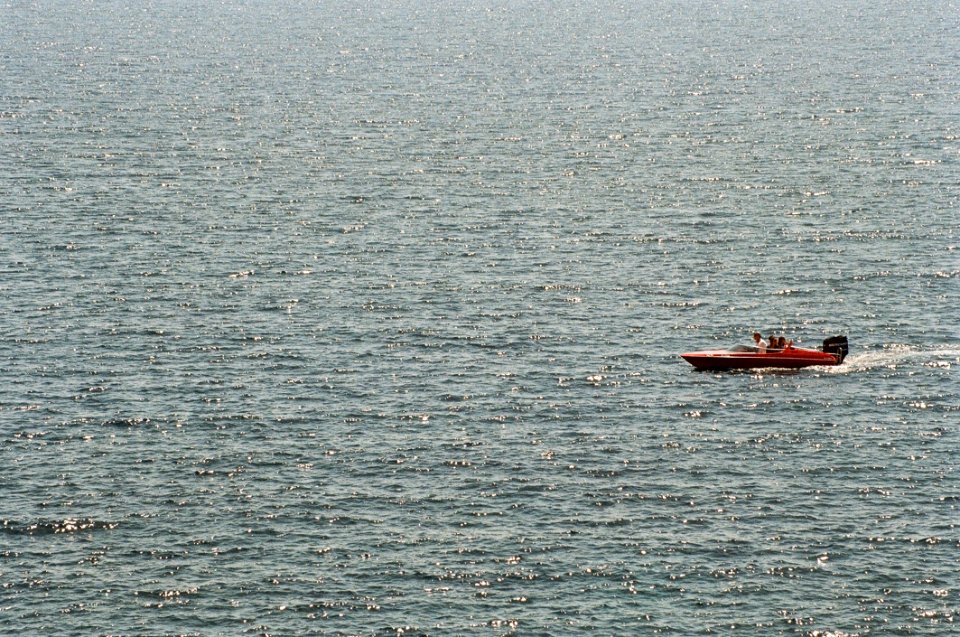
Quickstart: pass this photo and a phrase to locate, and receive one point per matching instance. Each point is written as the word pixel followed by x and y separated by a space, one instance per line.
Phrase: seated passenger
pixel 772 347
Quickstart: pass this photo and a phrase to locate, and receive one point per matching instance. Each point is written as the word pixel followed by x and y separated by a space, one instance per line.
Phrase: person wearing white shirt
pixel 758 340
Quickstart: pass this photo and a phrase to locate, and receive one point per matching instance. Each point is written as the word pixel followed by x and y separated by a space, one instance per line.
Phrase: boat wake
pixel 893 356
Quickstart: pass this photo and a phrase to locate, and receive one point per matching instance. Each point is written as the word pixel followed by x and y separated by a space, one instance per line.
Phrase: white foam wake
pixel 892 356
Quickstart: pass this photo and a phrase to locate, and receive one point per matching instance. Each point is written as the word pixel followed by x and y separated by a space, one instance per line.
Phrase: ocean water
pixel 337 319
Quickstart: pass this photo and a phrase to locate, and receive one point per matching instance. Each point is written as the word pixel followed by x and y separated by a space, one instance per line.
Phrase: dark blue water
pixel 326 318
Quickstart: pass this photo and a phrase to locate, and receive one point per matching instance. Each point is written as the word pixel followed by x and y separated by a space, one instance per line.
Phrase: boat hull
pixel 791 358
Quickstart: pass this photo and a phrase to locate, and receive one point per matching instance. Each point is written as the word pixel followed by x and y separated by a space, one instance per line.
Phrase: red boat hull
pixel 791 358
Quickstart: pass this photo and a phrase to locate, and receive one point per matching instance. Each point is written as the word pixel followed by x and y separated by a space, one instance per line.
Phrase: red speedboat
pixel 833 352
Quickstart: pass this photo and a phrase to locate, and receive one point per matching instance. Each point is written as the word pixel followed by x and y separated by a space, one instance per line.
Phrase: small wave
pixel 50 527
pixel 125 422
pixel 167 597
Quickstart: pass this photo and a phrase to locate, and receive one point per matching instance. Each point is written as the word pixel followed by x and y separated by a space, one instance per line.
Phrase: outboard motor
pixel 837 345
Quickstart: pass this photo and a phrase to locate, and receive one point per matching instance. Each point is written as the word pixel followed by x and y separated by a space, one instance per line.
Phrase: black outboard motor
pixel 837 345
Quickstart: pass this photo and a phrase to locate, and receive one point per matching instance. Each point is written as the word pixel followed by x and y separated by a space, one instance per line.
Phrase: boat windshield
pixel 744 348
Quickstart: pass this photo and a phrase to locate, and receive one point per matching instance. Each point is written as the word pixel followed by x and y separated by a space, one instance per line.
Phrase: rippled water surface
pixel 322 318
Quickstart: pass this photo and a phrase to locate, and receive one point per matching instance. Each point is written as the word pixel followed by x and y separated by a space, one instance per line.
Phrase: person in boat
pixel 772 346
pixel 758 341
pixel 783 343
